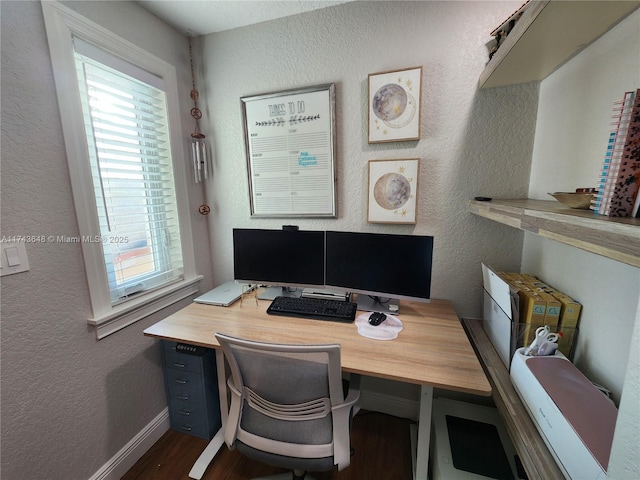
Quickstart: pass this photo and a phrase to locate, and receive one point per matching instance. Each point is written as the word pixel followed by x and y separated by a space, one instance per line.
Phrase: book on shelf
pixel 627 183
pixel 636 207
pixel 600 203
pixel 619 181
pixel 611 166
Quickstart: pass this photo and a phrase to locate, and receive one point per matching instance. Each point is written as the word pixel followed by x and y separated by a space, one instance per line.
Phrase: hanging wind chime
pixel 199 158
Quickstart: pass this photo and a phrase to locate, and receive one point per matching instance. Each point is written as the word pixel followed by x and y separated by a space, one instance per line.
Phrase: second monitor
pixel 381 268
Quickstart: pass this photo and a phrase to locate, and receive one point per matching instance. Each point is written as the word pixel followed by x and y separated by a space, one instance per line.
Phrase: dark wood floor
pixel 381 443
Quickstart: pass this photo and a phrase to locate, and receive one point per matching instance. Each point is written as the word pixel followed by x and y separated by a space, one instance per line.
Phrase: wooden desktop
pixel 432 350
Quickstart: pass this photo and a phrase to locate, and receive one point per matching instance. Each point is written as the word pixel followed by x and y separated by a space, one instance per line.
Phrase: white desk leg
pixel 198 469
pixel 421 459
pixel 205 458
pixel 222 387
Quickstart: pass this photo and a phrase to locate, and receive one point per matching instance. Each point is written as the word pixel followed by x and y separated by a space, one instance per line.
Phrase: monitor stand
pixel 270 293
pixel 373 304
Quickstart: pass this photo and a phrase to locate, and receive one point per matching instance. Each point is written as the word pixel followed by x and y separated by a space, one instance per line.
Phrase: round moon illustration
pixel 391 191
pixel 389 102
pixel 406 117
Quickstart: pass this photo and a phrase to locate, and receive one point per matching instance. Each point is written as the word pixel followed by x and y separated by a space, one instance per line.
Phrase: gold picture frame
pixel 393 191
pixel 394 105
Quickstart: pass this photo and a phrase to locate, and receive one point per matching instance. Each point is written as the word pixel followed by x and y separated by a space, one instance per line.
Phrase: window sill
pixel 130 312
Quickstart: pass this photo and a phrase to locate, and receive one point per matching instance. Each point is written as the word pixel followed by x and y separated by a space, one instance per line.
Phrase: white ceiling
pixel 199 17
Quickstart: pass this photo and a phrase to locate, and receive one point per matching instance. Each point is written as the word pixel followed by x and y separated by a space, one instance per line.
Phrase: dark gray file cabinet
pixel 192 389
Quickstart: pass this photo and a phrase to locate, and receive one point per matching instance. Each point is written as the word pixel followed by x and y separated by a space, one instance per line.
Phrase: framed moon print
pixel 394 105
pixel 393 191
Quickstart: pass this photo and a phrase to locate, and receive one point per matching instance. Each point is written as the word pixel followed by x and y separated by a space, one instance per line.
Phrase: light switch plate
pixel 13 258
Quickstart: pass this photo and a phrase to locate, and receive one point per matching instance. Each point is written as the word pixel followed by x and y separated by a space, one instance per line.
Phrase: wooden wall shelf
pixel 615 238
pixel 533 452
pixel 547 35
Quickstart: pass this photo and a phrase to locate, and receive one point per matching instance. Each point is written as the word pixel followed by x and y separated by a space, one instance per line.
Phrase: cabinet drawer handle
pixel 187 428
pixel 179 365
pixel 183 396
pixel 182 380
pixel 185 412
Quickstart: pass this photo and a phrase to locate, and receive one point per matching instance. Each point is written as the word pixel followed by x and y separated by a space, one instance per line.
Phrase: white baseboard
pixel 128 455
pixel 389 404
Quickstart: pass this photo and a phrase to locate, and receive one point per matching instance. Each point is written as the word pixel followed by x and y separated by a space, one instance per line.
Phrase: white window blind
pixel 125 118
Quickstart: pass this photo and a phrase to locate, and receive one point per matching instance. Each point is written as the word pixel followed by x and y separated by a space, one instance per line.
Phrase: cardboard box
pixel 539 304
pixel 532 310
pixel 569 312
pixel 552 311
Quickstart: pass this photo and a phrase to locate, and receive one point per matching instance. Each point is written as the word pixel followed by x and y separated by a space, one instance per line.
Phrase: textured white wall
pixel 69 402
pixel 473 143
pixel 572 131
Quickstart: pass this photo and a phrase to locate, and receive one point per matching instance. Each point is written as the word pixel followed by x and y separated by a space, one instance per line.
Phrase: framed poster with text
pixel 290 147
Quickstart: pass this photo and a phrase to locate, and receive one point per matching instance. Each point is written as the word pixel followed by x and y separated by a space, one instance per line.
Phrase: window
pixel 126 124
pixel 126 171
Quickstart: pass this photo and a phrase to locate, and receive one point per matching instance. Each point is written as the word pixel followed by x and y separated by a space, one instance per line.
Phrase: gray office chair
pixel 288 407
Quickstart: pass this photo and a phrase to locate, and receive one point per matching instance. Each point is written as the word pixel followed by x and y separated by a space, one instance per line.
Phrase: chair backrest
pixel 284 400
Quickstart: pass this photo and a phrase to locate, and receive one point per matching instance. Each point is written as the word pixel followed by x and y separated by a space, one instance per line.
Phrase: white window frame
pixel 61 25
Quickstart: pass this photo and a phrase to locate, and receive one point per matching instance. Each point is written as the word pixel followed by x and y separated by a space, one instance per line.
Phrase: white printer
pixel 573 417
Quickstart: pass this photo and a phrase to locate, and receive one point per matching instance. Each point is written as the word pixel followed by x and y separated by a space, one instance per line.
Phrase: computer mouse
pixel 376 318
